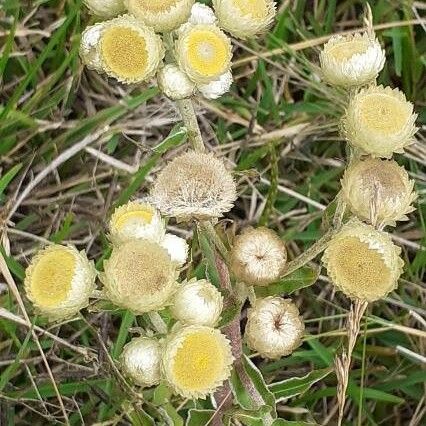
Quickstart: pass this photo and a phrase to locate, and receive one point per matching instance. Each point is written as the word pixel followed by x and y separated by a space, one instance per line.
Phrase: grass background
pixel 74 144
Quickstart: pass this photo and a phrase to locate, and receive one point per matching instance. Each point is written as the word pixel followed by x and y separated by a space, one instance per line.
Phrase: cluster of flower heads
pixel 183 42
pixel 361 259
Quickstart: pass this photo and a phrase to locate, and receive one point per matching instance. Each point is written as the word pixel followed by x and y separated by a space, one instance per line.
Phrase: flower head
pixel 197 302
pixel 379 121
pixel 274 327
pixel 204 52
pixel 194 186
pixel 215 89
pixel 59 281
pixel 136 219
pixel 352 60
pixel 258 256
pixel 139 276
pixel 162 15
pixel 378 191
pixel 141 360
pixel 174 83
pixel 105 8
pixel 245 18
pixel 362 262
pixel 176 247
pixel 196 360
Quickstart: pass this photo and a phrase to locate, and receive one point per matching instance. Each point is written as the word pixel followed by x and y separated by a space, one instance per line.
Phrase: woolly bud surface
pixel 141 361
pixel 245 18
pixel 194 186
pixel 129 51
pixel 202 14
pixel 89 52
pixel 216 88
pixel 162 15
pixel 380 121
pixel 258 256
pixel 197 302
pixel 378 191
pixel 174 83
pixel 105 8
pixel 136 219
pixel 204 52
pixel 274 327
pixel 176 247
pixel 362 262
pixel 352 60
pixel 59 281
pixel 139 276
pixel 196 361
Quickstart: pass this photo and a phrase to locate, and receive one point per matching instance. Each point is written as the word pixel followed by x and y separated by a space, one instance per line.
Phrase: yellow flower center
pixel 258 9
pixel 199 362
pixel 52 277
pixel 358 268
pixel 124 52
pixel 344 50
pixel 208 52
pixel 143 217
pixel 383 114
pixel 156 6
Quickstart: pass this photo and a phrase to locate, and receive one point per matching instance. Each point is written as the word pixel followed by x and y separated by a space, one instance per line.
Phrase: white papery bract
pixel 202 14
pixel 174 83
pixel 216 88
pixel 105 8
pixel 176 247
pixel 352 60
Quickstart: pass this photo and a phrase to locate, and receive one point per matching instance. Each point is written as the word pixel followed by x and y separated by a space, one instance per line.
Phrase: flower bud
pixel 196 360
pixel 379 121
pixel 174 83
pixel 217 88
pixel 140 361
pixel 176 247
pixel 274 327
pixel 59 281
pixel 197 302
pixel 362 262
pixel 202 14
pixel 105 8
pixel 89 52
pixel 352 60
pixel 245 18
pixel 258 256
pixel 378 191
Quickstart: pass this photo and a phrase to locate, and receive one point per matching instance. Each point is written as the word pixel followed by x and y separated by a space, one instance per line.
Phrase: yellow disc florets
pixel 194 186
pixel 258 256
pixel 352 60
pixel 196 360
pixel 204 52
pixel 378 191
pixel 161 15
pixel 362 262
pixel 245 18
pixel 380 121
pixel 140 276
pixel 59 281
pixel 274 327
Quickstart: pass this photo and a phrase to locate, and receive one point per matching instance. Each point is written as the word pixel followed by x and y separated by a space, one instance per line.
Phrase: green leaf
pixel 303 277
pixel 199 417
pixel 290 388
pixel 282 422
pixel 8 177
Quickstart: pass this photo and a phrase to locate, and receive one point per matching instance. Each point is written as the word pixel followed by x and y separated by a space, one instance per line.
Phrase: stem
pixel 186 109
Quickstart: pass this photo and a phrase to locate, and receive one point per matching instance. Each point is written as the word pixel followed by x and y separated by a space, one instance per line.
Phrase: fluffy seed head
pixel 204 52
pixel 379 121
pixel 245 18
pixel 129 51
pixel 161 15
pixel 59 281
pixel 89 52
pixel 378 191
pixel 194 186
pixel 139 276
pixel 140 361
pixel 174 83
pixel 352 60
pixel 217 88
pixel 197 302
pixel 136 219
pixel 274 327
pixel 105 8
pixel 362 262
pixel 176 247
pixel 196 361
pixel 258 256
